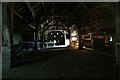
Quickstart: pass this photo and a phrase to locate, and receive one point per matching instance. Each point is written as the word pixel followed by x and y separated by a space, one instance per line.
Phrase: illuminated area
pixel 110 38
pixel 87 40
pixel 67 42
pixel 56 37
pixel 74 39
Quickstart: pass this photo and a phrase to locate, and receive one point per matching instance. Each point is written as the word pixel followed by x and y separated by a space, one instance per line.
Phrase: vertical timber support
pixel 6 61
pixel 0 39
pixel 92 41
pixel 117 45
pixel 117 32
pixel 0 25
pixel 69 36
pixel 36 39
pixel 43 37
pixel 80 38
pixel 10 25
pixel 65 36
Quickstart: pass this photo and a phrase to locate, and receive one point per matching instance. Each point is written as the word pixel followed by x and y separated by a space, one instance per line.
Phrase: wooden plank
pixel 55 25
pixel 62 28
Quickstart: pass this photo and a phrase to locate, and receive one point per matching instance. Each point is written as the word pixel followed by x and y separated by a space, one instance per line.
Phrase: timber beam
pixel 21 17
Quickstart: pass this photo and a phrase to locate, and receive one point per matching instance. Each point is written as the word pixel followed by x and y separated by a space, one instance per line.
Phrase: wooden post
pixel 1 39
pixel 65 36
pixel 43 37
pixel 36 39
pixel 0 26
pixel 10 26
pixel 117 45
pixel 117 32
pixel 92 40
pixel 80 38
pixel 69 36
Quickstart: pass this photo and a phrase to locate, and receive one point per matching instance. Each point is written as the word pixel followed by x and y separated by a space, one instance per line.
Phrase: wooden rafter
pixel 76 8
pixel 32 11
pixel 21 17
pixel 86 14
pixel 90 11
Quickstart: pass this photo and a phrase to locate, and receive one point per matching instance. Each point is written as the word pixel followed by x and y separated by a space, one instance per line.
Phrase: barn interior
pixel 60 39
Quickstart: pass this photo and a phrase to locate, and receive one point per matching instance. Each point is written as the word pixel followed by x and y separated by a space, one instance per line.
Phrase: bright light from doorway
pixel 67 42
pixel 54 41
pixel 110 38
pixel 74 38
pixel 74 33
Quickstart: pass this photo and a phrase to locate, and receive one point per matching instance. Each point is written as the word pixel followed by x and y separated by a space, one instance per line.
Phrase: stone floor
pixel 66 63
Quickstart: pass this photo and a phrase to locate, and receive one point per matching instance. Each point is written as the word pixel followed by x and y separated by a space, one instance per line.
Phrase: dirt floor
pixel 66 63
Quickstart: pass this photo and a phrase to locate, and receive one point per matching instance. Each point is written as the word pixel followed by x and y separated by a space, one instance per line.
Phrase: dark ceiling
pixel 89 16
